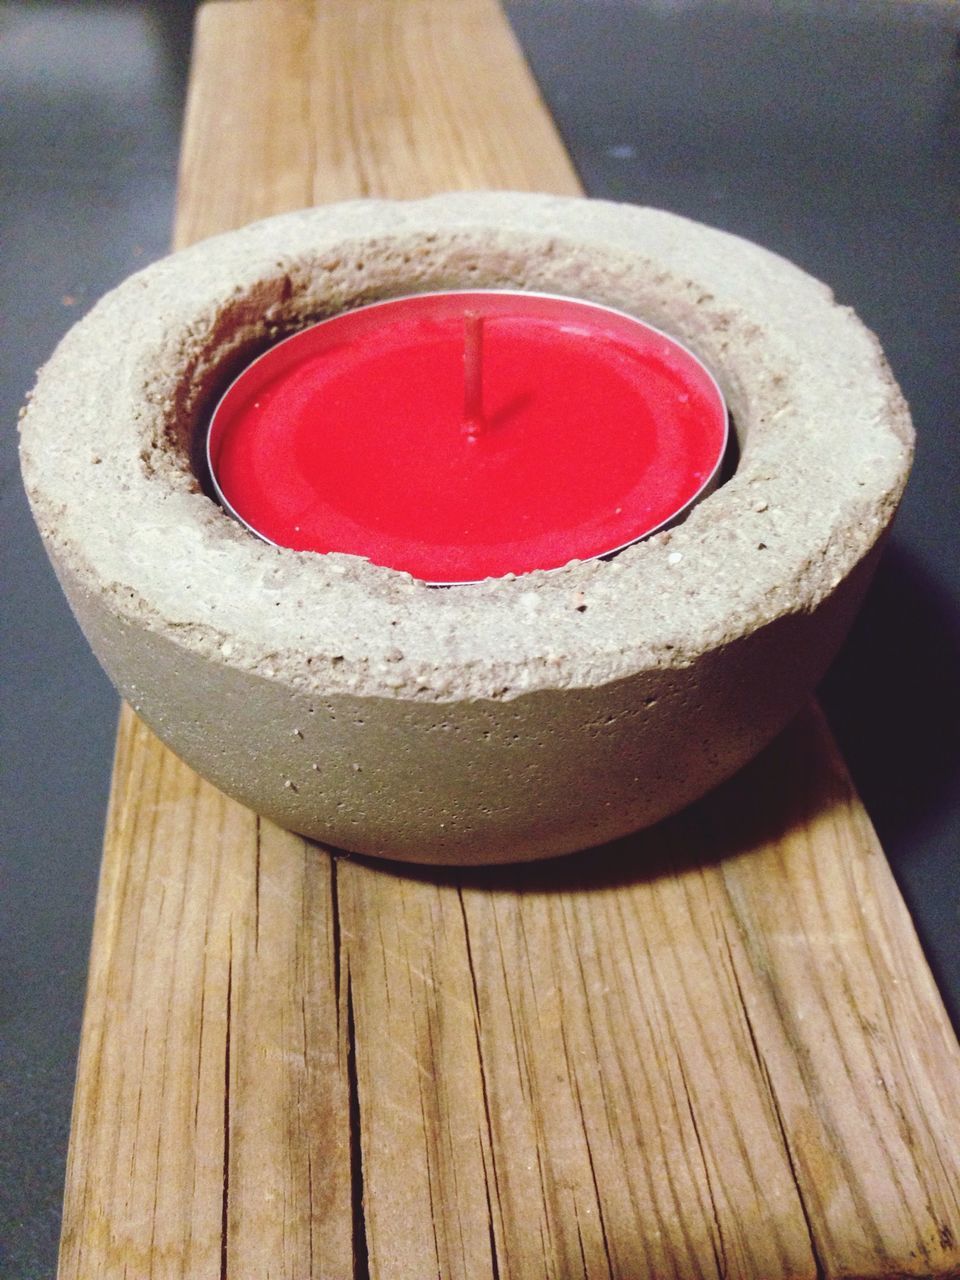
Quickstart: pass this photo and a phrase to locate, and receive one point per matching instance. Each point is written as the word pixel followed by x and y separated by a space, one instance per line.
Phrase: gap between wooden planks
pixel 713 1049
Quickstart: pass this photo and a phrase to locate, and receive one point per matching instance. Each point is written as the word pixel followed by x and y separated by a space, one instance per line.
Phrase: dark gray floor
pixel 91 99
pixel 828 132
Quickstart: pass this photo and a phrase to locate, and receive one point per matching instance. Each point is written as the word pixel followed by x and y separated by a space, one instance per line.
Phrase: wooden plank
pixel 211 1118
pixel 294 103
pixel 712 1049
pixel 858 1055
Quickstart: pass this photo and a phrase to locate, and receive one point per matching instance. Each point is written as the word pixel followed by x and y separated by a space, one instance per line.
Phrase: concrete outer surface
pixel 511 719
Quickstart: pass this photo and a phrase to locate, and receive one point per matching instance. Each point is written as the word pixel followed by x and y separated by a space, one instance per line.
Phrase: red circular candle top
pixel 459 436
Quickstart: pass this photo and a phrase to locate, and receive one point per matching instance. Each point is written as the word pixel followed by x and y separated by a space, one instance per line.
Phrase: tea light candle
pixel 460 436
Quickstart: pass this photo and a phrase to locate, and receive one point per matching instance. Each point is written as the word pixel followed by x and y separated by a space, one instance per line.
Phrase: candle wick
pixel 472 374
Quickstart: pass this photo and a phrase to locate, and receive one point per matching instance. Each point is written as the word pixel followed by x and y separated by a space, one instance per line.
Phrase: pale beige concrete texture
pixel 514 718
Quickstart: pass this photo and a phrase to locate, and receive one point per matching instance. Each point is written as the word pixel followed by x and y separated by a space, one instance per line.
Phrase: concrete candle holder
pixel 512 719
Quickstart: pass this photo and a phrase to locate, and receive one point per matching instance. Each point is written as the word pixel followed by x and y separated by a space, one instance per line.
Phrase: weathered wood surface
pixel 713 1049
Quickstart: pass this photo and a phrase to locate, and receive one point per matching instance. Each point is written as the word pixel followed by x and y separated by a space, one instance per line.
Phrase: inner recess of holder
pixel 283 323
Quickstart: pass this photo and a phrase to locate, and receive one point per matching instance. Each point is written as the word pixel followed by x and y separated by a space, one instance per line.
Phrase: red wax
pixel 360 434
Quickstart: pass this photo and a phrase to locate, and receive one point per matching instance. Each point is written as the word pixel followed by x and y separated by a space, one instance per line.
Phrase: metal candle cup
pixel 464 435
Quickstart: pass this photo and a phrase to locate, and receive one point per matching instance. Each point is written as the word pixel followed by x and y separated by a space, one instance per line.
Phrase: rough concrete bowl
pixel 511 719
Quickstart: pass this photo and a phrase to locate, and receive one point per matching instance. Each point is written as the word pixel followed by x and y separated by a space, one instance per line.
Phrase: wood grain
pixel 211 1116
pixel 295 103
pixel 713 1049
